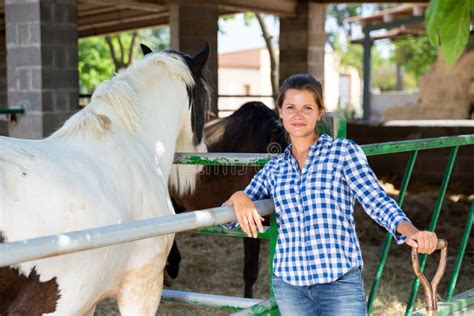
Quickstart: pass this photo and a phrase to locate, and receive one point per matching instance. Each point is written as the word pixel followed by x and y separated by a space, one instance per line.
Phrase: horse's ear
pixel 145 49
pixel 201 58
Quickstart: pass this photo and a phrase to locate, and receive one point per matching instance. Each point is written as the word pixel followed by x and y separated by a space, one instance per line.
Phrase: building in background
pixel 247 72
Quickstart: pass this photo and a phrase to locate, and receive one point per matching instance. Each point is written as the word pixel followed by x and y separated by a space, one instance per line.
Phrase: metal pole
pixel 460 256
pixel 53 245
pixel 388 236
pixel 262 308
pixel 208 300
pixel 367 69
pixel 273 242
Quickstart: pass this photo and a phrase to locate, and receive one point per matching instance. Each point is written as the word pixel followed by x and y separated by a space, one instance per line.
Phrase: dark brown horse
pixel 254 128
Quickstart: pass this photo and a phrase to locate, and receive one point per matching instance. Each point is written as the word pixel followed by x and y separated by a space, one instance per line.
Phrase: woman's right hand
pixel 246 213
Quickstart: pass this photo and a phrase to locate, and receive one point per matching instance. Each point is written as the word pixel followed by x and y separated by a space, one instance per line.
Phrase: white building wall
pixel 232 81
pixel 331 82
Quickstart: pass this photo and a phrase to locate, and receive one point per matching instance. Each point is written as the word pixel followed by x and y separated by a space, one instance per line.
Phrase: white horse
pixel 110 163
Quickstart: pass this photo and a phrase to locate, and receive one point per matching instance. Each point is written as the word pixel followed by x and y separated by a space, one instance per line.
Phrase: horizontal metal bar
pixel 419 144
pixel 12 111
pixel 245 96
pixel 251 159
pixel 223 159
pixel 462 303
pixel 53 245
pixel 261 308
pixel 219 230
pixel 208 300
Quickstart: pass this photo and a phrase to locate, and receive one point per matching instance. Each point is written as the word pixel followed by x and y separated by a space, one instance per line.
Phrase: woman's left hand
pixel 424 240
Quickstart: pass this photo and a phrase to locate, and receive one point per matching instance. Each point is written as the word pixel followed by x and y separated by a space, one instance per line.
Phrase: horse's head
pixel 190 138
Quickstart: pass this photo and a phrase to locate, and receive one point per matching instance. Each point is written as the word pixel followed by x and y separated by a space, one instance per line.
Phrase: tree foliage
pixel 340 12
pixel 447 23
pixel 122 48
pixel 97 62
pixel 416 54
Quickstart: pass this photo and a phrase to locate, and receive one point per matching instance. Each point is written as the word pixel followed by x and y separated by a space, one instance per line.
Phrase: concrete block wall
pixel 3 81
pixel 302 41
pixel 41 40
pixel 191 25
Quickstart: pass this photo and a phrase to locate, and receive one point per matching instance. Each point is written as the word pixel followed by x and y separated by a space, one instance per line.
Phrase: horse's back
pixel 50 187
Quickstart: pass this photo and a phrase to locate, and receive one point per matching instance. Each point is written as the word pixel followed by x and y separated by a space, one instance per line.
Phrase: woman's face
pixel 300 113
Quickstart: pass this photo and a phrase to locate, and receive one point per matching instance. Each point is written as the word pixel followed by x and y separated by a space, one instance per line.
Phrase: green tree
pixel 95 63
pixel 383 70
pixel 350 54
pixel 122 48
pixel 340 12
pixel 447 23
pixel 416 54
pixel 100 57
pixel 158 39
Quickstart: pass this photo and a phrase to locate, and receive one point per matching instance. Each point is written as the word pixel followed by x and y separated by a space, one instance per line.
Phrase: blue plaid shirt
pixel 317 241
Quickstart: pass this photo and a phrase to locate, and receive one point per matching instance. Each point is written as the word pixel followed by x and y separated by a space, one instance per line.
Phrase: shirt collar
pixel 323 140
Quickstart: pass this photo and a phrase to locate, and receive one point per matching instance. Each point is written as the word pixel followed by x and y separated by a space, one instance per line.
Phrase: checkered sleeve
pixel 257 189
pixel 368 191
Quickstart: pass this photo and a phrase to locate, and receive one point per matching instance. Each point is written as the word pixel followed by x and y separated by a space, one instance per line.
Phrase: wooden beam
pixel 275 7
pixel 142 5
pixel 122 27
pixel 285 8
pixel 95 10
pixel 117 17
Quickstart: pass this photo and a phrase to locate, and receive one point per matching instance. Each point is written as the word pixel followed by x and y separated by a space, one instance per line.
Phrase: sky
pixel 234 35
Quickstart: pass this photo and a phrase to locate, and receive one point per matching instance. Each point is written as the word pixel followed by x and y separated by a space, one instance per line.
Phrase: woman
pixel 318 261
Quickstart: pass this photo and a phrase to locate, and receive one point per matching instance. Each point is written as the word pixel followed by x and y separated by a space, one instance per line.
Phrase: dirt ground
pixel 213 264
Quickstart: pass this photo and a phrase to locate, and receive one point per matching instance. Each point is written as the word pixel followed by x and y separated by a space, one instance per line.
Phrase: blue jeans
pixel 345 296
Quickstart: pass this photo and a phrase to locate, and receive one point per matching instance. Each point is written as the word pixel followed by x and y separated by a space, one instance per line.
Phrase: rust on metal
pixel 431 303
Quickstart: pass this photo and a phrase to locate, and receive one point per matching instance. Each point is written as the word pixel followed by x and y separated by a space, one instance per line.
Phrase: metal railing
pixel 412 147
pixel 69 242
pixel 11 113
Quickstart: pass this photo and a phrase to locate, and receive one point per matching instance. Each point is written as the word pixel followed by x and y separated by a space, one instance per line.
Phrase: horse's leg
pixel 251 252
pixel 174 258
pixel 140 289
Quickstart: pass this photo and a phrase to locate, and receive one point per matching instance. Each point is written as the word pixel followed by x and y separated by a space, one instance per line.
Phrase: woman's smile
pixel 298 124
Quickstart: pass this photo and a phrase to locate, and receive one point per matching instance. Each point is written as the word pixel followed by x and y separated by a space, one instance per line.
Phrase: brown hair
pixel 302 82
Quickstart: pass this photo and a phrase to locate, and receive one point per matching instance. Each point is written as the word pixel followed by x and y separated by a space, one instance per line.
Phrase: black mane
pixel 258 128
pixel 199 97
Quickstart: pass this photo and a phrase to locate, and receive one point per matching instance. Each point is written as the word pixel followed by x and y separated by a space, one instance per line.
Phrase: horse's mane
pixel 121 94
pixel 262 127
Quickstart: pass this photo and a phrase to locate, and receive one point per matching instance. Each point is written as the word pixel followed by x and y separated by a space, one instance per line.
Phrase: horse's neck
pixel 158 126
